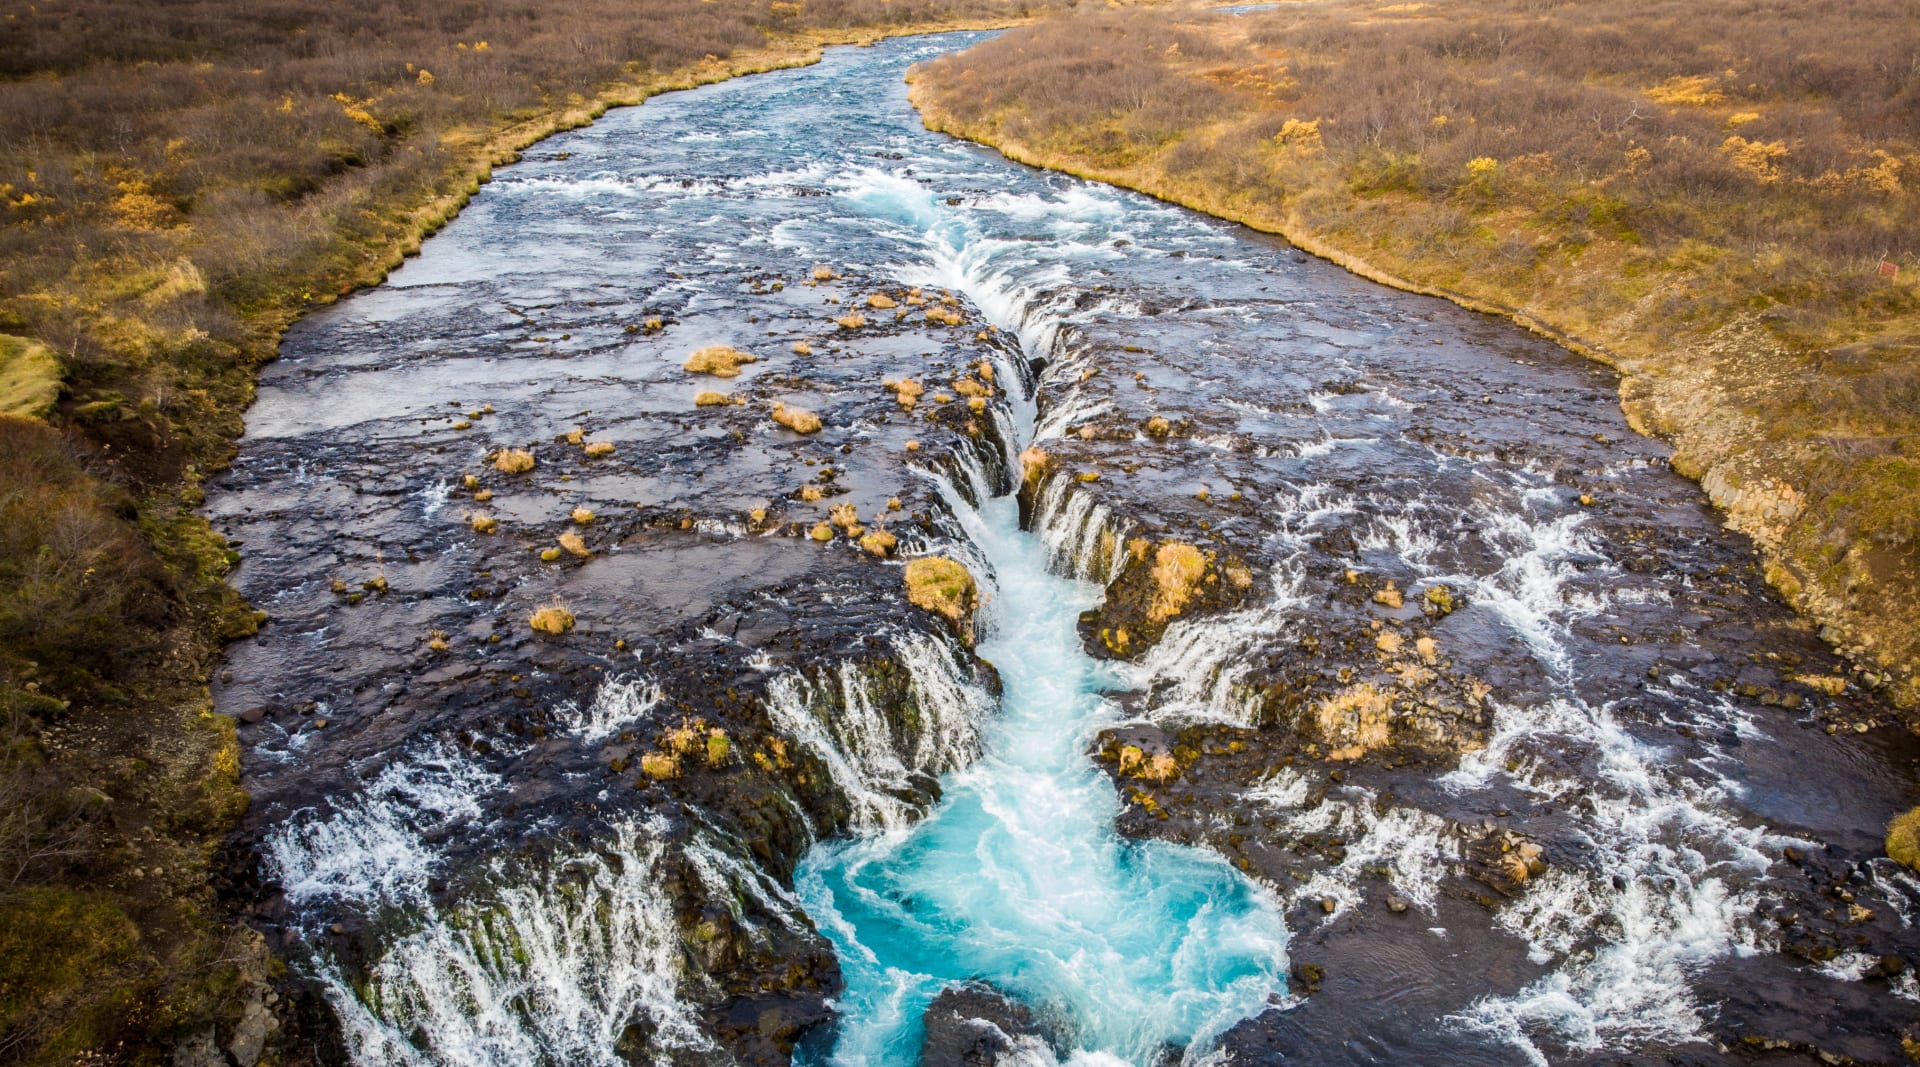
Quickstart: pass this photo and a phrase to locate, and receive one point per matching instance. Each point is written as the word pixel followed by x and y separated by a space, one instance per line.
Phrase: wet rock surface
pixel 1496 669
pixel 975 1026
pixel 1401 620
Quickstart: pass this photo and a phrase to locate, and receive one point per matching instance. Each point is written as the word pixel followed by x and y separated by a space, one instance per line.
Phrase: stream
pixel 1348 684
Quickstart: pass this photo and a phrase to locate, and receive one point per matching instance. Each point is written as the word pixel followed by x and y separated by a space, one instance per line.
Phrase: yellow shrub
pixel 485 524
pixel 799 420
pixel 851 321
pixel 844 516
pixel 880 301
pixel 801 348
pixel 581 515
pixel 551 617
pixel 1903 839
pixel 513 461
pixel 1696 91
pixel 659 766
pixel 1759 160
pixel 942 586
pixel 721 361
pixel 708 398
pixel 1177 571
pixel 879 543
pixel 575 544
pixel 600 448
pixel 1298 136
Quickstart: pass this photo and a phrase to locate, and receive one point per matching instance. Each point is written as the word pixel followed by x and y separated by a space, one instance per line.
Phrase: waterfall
pixel 547 967
pixel 885 772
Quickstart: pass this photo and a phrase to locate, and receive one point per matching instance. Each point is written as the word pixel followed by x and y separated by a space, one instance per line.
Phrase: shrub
pixel 1903 839
pixel 513 461
pixel 799 420
pixel 551 618
pixel 879 543
pixel 942 586
pixel 1178 569
pixel 721 361
pixel 600 448
pixel 582 516
pixel 708 398
pixel 574 543
pixel 853 320
pixel 881 301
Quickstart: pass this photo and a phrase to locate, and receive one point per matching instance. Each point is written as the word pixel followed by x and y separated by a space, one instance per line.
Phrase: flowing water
pixel 1480 717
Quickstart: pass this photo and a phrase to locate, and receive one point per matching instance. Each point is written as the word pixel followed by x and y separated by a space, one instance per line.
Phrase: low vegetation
pixel 946 588
pixel 721 361
pixel 1723 201
pixel 178 182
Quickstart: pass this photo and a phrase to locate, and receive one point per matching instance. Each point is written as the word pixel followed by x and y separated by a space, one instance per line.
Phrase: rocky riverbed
pixel 629 559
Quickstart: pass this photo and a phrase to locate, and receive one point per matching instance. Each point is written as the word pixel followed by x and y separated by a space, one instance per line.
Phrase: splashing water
pixel 1020 880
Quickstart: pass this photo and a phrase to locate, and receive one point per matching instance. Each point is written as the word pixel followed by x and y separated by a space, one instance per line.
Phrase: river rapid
pixel 1347 683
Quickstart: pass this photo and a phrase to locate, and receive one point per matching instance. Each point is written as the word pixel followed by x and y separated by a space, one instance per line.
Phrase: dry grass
pixel 851 321
pixel 1700 195
pixel 29 378
pixel 551 618
pixel 799 420
pixel 1178 570
pixel 513 461
pixel 879 543
pixel 1903 839
pixel 708 398
pixel 721 361
pixel 942 586
pixel 574 544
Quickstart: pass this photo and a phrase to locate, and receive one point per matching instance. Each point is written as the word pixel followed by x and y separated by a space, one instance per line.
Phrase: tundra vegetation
pixel 177 184
pixel 1722 201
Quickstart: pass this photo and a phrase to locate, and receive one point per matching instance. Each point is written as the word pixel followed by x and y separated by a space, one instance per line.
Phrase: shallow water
pixel 468 868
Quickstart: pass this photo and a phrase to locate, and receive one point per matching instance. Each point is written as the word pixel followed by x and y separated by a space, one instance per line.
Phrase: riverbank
pixel 158 270
pixel 1592 189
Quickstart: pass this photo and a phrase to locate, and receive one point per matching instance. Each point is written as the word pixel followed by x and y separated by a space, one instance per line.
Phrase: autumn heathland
pixel 1720 200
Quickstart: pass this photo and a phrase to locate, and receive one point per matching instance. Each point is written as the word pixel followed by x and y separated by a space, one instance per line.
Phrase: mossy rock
pixel 1903 839
pixel 29 378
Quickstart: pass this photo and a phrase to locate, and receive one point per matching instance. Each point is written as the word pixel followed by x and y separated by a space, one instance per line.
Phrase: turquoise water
pixel 1019 879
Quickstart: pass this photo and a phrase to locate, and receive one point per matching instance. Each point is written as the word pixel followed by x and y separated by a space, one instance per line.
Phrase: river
pixel 1348 683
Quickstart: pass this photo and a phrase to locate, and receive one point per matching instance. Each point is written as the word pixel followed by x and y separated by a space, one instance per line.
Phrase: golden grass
pixel 553 617
pixel 582 516
pixel 1903 839
pixel 29 378
pixel 513 461
pixel 1178 570
pixel 599 448
pixel 709 398
pixel 943 586
pixel 799 420
pixel 879 543
pixel 574 543
pixel 881 301
pixel 721 361
pixel 1587 188
pixel 801 348
pixel 853 320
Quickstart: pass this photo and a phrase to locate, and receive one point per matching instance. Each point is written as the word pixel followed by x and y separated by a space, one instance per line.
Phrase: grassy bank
pixel 1710 197
pixel 177 184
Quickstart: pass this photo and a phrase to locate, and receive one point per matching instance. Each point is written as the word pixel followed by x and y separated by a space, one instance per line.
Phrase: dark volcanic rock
pixel 974 1026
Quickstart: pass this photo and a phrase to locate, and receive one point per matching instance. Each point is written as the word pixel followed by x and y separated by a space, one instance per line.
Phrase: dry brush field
pixel 1722 200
